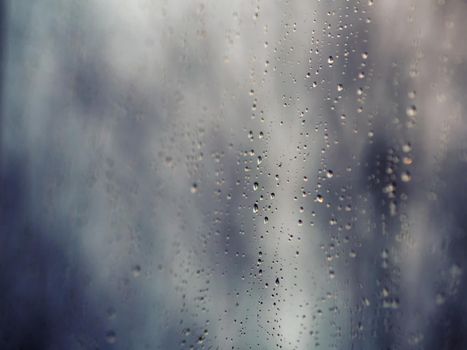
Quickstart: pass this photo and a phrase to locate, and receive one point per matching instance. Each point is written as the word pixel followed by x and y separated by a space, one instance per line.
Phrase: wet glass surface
pixel 233 174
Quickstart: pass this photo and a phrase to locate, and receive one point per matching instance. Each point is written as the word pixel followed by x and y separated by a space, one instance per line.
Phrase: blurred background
pixel 233 174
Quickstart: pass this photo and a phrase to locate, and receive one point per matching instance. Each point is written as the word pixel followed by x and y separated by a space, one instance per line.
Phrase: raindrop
pixel 111 337
pixel 406 148
pixel 406 177
pixel 255 208
pixel 411 111
pixel 319 198
pixel 136 270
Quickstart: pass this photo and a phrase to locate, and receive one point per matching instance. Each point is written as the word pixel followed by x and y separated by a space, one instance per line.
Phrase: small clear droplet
pixel 255 208
pixel 411 111
pixel 319 198
pixel 406 177
pixel 136 270
pixel 111 337
pixel 406 148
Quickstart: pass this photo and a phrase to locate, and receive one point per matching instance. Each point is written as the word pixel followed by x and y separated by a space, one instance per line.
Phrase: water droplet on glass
pixel 406 148
pixel 136 270
pixel 406 177
pixel 411 111
pixel 255 208
pixel 111 337
pixel 319 198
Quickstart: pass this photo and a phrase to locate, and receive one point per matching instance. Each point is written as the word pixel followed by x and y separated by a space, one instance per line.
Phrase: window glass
pixel 218 174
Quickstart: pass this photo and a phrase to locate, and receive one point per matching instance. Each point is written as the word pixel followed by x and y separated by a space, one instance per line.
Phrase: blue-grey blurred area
pixel 217 174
